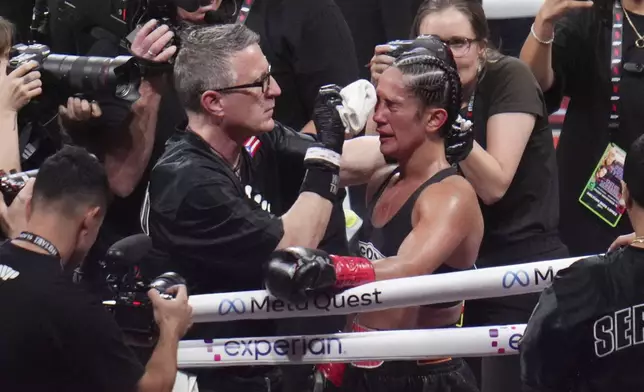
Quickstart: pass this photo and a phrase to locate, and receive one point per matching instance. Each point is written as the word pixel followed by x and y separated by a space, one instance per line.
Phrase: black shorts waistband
pixel 415 368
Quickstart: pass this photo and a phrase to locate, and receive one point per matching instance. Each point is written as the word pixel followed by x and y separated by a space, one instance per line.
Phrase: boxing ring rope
pixel 351 347
pixel 382 345
pixel 508 9
pixel 396 293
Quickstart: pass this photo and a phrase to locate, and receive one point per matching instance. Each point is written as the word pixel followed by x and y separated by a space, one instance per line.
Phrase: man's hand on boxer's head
pixel 327 120
pixel 150 43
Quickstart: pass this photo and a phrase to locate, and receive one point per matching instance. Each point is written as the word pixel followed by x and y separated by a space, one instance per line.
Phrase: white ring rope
pixel 351 347
pixel 421 290
pixel 508 9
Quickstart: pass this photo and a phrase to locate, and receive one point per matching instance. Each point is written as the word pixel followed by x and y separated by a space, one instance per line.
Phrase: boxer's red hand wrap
pixel 352 271
pixel 333 372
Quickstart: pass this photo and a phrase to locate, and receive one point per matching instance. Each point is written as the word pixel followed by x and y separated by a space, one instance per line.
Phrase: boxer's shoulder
pixel 453 195
pixel 378 180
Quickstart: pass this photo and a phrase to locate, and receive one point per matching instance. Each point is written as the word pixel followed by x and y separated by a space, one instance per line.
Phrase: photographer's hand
pixel 19 87
pixel 150 43
pixel 173 316
pixel 77 111
pixel 380 62
pixel 13 219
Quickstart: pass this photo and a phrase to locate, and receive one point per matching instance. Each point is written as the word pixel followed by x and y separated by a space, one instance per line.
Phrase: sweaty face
pixel 400 128
pixel 455 29
pixel 249 110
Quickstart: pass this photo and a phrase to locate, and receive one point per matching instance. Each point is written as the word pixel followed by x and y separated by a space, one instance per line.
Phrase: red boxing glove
pixel 352 271
pixel 334 372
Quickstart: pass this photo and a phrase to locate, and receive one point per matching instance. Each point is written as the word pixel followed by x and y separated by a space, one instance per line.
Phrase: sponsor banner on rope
pixel 352 347
pixel 539 277
pixel 397 293
pixel 506 338
pixel 322 302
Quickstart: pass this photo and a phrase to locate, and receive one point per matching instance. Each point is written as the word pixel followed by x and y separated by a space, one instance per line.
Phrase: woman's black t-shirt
pixel 581 60
pixel 529 208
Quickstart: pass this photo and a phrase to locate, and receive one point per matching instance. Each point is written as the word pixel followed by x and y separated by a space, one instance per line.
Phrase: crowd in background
pixel 540 199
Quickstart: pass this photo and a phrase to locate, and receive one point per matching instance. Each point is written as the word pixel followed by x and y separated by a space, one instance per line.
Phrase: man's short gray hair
pixel 203 61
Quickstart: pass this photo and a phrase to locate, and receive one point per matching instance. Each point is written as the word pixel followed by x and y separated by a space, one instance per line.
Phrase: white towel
pixel 358 101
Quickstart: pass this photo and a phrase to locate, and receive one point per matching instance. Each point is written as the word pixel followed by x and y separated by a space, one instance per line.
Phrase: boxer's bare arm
pixel 443 218
pixel 361 158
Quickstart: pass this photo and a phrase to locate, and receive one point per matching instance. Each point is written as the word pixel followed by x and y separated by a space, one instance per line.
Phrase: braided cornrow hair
pixel 433 81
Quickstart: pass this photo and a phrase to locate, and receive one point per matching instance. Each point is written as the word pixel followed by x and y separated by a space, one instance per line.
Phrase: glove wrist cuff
pixel 323 156
pixel 352 271
pixel 333 372
pixel 323 182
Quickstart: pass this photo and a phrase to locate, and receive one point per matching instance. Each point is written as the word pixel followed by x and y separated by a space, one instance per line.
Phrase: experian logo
pixel 259 348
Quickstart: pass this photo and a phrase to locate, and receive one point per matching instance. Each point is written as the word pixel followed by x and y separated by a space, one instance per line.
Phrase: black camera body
pixel 68 75
pixel 430 42
pixel 12 183
pixel 128 287
pixel 399 47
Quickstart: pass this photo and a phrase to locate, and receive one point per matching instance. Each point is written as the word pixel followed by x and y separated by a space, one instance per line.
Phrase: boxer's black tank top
pixel 381 242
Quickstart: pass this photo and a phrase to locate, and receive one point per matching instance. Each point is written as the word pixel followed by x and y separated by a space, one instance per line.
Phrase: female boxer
pixel 424 218
pixel 511 166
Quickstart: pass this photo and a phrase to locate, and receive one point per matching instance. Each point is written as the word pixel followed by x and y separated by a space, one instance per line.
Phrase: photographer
pixel 58 337
pixel 16 90
pixel 125 135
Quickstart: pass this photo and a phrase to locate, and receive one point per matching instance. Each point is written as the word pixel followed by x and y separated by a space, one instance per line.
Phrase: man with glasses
pixel 219 198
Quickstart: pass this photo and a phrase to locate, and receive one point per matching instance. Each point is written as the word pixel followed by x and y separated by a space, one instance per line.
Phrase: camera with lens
pixel 127 288
pixel 12 183
pixel 430 42
pixel 66 75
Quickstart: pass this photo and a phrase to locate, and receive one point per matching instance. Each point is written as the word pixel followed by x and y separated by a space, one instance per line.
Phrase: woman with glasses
pixel 511 163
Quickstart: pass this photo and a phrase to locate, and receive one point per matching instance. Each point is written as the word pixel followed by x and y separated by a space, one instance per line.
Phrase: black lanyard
pixel 616 39
pixel 39 242
pixel 469 114
pixel 245 11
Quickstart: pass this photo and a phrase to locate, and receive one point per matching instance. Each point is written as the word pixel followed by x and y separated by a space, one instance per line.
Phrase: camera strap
pixel 247 5
pixel 40 242
pixel 616 40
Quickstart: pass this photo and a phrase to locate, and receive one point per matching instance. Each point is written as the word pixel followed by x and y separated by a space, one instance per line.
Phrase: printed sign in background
pixel 603 192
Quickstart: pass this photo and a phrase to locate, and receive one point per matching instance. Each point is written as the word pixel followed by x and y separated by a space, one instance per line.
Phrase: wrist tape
pixel 322 176
pixel 322 156
pixel 322 181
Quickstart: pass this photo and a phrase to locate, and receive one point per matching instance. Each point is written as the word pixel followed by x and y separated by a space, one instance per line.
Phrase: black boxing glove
pixel 323 160
pixel 293 271
pixel 327 120
pixel 459 141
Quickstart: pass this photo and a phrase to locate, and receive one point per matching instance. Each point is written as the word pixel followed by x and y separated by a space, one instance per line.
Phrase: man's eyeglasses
pixel 460 46
pixel 264 83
